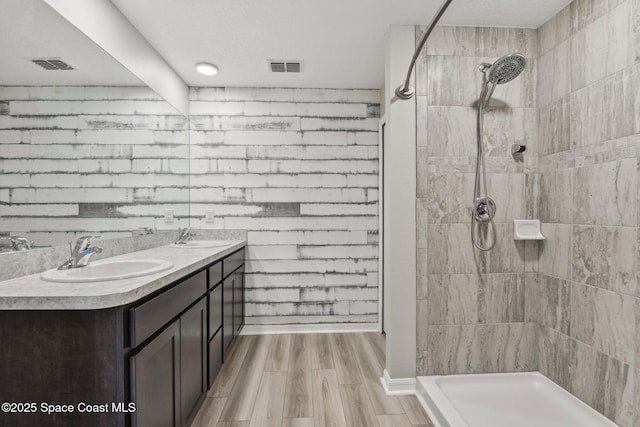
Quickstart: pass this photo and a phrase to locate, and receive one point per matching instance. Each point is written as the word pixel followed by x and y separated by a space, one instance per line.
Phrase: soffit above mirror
pixel 29 29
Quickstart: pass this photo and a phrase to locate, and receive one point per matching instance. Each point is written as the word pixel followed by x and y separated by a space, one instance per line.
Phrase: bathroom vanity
pixel 134 352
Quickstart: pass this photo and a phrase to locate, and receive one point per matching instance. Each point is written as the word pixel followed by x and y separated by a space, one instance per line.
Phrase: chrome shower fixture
pixel 483 208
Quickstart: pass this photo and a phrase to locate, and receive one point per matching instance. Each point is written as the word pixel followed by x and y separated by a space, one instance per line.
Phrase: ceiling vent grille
pixel 281 66
pixel 52 64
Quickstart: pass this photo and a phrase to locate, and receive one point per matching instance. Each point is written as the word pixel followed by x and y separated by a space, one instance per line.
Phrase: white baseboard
pixel 397 386
pixel 314 328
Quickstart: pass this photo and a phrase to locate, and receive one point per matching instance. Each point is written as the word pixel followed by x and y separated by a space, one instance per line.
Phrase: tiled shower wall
pixel 298 169
pixel 104 160
pixel 587 296
pixel 471 304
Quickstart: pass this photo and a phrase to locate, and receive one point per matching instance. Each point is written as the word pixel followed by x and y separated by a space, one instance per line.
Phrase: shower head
pixel 504 69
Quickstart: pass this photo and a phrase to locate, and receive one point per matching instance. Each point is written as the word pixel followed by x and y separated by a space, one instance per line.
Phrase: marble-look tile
pixel 450 40
pixel 556 197
pixel 496 41
pixel 635 9
pixel 531 194
pixel 605 194
pixel 480 41
pixel 555 250
pixel 554 31
pixel 451 195
pixel 584 12
pixel 456 81
pixel 547 302
pixel 603 48
pixel 422 123
pixel 554 76
pixel 422 322
pixel 601 111
pixel 605 320
pixel 555 352
pixel 451 251
pixel 456 299
pixel 504 127
pixel 422 363
pixel 531 256
pixel 451 131
pixel 422 159
pixel 422 218
pixel 554 128
pixel 605 257
pixel 420 70
pixel 421 273
pixel 467 349
pixel 453 80
pixel 604 383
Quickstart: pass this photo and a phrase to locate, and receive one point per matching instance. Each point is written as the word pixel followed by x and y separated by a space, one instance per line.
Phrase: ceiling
pixel 29 29
pixel 340 41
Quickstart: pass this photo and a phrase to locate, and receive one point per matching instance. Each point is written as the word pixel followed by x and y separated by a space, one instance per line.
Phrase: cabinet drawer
pixel 215 274
pixel 155 313
pixel 215 309
pixel 232 262
pixel 215 356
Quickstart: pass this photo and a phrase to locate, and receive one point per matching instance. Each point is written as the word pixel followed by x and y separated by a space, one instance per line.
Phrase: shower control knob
pixel 482 206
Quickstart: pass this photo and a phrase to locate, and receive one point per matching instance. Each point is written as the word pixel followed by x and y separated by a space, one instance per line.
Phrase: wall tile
pixel 555 250
pixel 451 251
pixel 554 31
pixel 605 257
pixel 482 348
pixel 470 299
pixel 604 383
pixel 605 320
pixel 556 197
pixel 555 355
pixel 548 302
pixel 605 193
pixel 555 127
pixel 554 79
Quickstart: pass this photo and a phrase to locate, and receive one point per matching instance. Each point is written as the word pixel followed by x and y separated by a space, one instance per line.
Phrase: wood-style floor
pixel 307 380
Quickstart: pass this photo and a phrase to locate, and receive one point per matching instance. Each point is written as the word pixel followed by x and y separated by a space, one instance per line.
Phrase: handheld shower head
pixel 505 69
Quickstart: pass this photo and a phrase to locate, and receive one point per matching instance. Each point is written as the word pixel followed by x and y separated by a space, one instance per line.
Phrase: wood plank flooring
pixel 307 380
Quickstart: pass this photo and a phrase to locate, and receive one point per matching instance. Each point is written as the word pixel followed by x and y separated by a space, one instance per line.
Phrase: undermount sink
pixel 201 244
pixel 107 270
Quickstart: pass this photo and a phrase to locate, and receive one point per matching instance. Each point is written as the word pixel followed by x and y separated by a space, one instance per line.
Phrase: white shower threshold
pixel 527 399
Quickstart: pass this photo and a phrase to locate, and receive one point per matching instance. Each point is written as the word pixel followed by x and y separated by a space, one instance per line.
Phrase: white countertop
pixel 32 293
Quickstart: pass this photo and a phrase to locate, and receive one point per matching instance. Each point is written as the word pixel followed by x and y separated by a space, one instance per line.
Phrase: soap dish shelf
pixel 527 229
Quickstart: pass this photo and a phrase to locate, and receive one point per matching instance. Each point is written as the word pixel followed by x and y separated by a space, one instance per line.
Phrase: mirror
pixel 85 147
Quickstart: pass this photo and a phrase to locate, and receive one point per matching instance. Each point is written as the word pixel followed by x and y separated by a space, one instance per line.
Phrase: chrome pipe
pixel 405 91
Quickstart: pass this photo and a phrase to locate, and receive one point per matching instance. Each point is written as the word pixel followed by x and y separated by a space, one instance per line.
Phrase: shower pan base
pixel 526 399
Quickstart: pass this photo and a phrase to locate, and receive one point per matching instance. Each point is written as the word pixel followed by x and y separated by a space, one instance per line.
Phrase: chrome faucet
pixel 20 243
pixel 81 254
pixel 184 235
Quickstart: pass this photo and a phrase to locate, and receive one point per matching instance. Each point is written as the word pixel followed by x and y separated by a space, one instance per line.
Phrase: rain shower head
pixel 504 69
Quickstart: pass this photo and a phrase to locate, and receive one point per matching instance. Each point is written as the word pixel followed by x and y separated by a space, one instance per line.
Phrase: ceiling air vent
pixel 281 66
pixel 52 64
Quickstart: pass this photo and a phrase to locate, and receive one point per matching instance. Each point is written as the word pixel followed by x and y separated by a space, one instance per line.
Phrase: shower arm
pixel 405 91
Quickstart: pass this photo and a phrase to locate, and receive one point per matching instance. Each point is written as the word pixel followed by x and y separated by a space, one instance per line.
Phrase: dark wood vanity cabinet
pixel 160 353
pixel 168 370
pixel 171 372
pixel 233 299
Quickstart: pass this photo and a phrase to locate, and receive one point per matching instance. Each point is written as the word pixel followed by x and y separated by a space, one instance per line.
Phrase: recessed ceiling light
pixel 207 69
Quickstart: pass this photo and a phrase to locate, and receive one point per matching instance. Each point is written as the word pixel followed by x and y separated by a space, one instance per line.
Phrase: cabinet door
pixel 227 314
pixel 155 381
pixel 193 371
pixel 238 301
